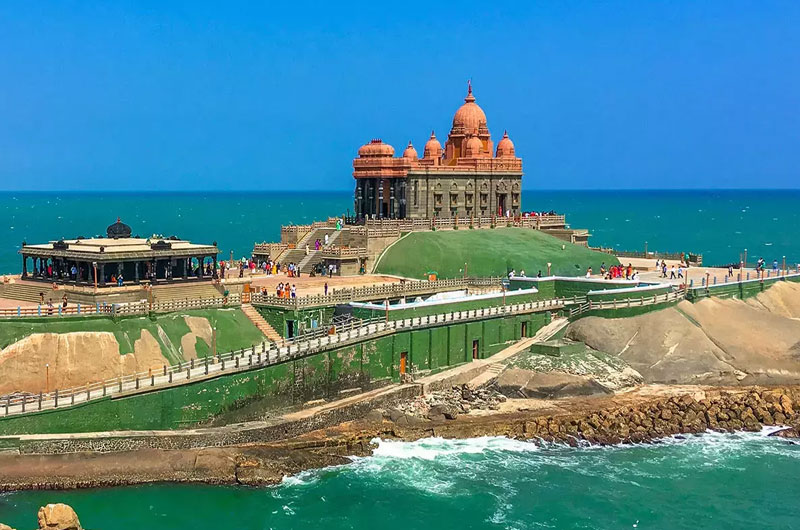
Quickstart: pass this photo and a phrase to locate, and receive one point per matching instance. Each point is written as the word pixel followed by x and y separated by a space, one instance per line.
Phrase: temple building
pixel 95 261
pixel 468 178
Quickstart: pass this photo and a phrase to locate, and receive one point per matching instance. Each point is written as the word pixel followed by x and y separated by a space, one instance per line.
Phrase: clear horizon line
pixel 116 191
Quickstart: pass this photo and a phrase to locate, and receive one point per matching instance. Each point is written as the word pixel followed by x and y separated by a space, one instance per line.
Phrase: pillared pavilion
pixel 468 178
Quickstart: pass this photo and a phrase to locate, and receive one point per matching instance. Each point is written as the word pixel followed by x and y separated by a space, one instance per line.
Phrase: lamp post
pixel 47 378
pixel 745 258
pixel 94 265
pixel 548 268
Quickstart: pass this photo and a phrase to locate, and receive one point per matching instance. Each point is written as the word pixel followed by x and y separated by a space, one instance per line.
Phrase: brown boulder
pixel 5 527
pixel 58 517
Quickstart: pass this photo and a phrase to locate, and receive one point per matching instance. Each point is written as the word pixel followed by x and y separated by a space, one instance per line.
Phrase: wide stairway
pixel 26 291
pixel 185 291
pixel 298 255
pixel 258 321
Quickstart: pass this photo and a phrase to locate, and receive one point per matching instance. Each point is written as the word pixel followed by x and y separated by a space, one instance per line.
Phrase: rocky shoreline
pixel 641 416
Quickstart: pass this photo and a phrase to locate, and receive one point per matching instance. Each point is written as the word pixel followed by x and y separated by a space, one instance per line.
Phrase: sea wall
pixel 363 365
pixel 608 422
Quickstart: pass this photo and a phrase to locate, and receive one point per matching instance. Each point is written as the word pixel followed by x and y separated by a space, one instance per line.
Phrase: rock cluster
pixel 55 517
pixel 748 411
pixel 446 404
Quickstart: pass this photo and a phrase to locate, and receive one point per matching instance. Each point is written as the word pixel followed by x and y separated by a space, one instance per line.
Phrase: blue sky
pixel 277 96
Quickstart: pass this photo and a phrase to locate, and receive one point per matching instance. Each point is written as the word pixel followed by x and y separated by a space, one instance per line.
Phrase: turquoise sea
pixel 718 224
pixel 710 481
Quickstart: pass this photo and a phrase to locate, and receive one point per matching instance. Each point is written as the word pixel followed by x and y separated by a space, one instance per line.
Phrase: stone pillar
pixel 214 265
pixel 392 184
pixel 101 273
pixel 24 266
pixel 136 271
pixel 119 269
pixel 379 201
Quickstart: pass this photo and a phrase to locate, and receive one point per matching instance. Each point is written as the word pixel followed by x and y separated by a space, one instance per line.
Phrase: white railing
pixel 596 305
pixel 257 356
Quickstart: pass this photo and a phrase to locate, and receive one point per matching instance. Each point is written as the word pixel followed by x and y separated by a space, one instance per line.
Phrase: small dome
pixel 433 149
pixel 473 147
pixel 410 152
pixel 376 147
pixel 118 229
pixel 505 147
pixel 469 117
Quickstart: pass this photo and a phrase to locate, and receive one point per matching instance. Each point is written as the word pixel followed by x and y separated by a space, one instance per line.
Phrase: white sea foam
pixel 432 448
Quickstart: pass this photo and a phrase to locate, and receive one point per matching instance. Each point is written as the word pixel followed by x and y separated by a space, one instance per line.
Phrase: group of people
pixel 617 272
pixel 284 290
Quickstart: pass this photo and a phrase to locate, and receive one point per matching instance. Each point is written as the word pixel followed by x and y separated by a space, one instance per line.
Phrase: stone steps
pixel 258 321
pixel 169 293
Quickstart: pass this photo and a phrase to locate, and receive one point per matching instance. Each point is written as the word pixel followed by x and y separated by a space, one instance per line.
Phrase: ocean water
pixel 710 481
pixel 718 224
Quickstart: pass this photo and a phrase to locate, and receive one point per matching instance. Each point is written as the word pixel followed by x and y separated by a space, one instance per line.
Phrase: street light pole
pixel 94 265
pixel 47 378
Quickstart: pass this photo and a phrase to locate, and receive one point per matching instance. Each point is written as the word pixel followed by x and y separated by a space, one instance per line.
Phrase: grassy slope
pixel 487 253
pixel 234 330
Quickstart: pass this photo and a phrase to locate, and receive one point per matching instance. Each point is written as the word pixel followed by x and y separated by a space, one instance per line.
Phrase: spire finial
pixel 469 97
pixel 432 134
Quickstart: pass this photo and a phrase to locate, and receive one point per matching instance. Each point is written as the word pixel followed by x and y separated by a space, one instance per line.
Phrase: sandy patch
pixel 74 359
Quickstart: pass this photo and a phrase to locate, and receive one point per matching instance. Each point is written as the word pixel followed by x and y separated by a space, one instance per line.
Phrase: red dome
pixel 410 152
pixel 469 117
pixel 505 147
pixel 376 148
pixel 433 149
pixel 473 147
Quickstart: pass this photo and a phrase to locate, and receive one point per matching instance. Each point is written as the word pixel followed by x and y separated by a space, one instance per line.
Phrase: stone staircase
pixel 185 291
pixel 549 331
pixel 29 292
pixel 495 364
pixel 258 321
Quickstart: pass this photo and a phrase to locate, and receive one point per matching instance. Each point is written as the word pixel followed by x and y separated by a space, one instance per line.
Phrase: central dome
pixel 469 116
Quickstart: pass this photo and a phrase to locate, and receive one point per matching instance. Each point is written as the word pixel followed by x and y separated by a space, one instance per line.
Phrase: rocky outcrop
pixel 445 404
pixel 518 383
pixel 713 341
pixel 55 517
pixel 58 517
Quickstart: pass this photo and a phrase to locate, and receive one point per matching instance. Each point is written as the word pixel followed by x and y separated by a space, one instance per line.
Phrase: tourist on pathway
pixel 672 273
pixel 775 265
pixel 294 291
pixel 730 271
pixel 64 301
pixel 680 272
pixel 589 272
pixel 326 288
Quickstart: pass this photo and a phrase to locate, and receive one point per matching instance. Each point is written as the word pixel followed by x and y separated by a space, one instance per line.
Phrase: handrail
pixel 265 354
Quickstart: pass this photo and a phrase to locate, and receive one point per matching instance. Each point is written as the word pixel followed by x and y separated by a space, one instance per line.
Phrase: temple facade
pixel 102 261
pixel 466 178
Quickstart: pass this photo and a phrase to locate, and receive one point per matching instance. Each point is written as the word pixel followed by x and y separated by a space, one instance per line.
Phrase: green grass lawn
pixel 487 252
pixel 234 330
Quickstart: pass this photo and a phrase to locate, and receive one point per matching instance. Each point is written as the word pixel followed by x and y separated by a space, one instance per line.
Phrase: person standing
pixel 326 288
